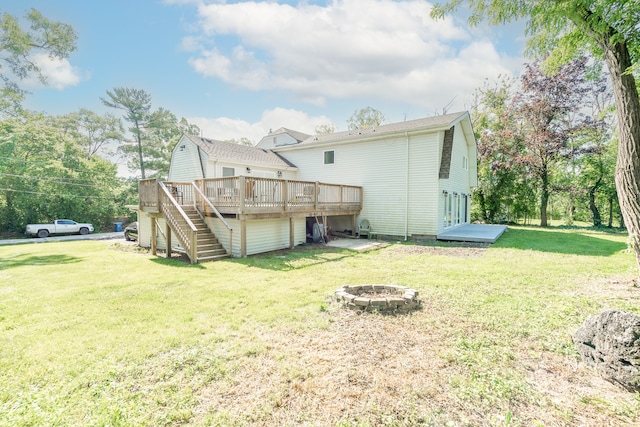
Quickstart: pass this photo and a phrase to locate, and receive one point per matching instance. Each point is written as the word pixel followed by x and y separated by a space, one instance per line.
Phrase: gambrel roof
pixel 237 152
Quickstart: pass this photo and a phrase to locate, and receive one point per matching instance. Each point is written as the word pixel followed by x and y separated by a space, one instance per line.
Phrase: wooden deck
pixel 255 198
pixel 480 233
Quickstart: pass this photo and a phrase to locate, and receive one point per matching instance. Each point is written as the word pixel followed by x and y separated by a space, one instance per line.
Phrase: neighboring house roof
pixel 298 136
pixel 238 152
pixel 443 122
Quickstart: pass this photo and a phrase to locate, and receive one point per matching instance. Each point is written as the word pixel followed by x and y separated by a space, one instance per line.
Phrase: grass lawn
pixel 97 333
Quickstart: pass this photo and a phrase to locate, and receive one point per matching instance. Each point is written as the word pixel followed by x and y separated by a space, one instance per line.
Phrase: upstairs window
pixel 329 157
pixel 465 163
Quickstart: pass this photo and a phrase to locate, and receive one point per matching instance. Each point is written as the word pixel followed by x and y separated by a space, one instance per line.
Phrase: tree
pixel 325 128
pixel 155 132
pixel 606 29
pixel 136 104
pixel 365 118
pixel 544 107
pixel 45 174
pixel 93 132
pixel 242 141
pixel 18 47
pixel 497 170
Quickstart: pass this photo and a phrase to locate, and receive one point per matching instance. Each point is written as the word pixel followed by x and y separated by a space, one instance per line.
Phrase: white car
pixel 59 226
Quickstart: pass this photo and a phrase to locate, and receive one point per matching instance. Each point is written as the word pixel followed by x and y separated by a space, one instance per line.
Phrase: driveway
pixel 93 236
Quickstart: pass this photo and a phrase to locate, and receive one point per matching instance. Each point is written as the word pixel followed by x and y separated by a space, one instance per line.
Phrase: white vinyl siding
pixel 185 162
pixel 273 234
pixel 380 167
pixel 451 209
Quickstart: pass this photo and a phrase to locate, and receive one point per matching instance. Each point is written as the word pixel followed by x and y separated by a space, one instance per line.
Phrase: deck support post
pixel 353 225
pixel 154 234
pixel 292 232
pixel 168 234
pixel 243 238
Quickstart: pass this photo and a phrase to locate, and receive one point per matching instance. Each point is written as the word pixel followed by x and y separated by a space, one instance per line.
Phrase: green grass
pixel 93 333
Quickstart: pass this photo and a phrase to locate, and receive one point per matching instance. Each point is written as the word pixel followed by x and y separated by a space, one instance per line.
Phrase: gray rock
pixel 611 343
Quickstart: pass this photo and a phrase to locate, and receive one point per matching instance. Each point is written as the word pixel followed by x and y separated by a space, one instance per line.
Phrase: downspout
pixel 406 191
pixel 202 166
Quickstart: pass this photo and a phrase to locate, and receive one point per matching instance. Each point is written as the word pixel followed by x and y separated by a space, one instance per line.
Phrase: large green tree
pixel 45 174
pixel 136 104
pixel 155 132
pixel 606 29
pixel 96 134
pixel 18 47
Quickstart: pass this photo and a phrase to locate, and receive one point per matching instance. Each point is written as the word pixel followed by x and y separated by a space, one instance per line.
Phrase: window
pixel 329 157
pixel 465 163
pixel 447 205
pixel 228 172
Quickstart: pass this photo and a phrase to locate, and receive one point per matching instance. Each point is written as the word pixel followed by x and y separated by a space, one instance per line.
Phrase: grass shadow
pixel 35 260
pixel 587 243
pixel 182 262
pixel 296 259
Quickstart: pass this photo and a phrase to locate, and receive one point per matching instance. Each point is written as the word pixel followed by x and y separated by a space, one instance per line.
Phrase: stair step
pixel 216 252
pixel 212 258
pixel 209 247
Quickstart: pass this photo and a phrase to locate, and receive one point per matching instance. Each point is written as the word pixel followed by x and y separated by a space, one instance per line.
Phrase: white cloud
pixel 225 128
pixel 390 50
pixel 59 73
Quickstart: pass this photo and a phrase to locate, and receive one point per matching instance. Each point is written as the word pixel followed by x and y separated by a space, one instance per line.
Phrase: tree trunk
pixel 628 161
pixel 139 138
pixel 544 201
pixel 483 206
pixel 595 213
pixel 610 223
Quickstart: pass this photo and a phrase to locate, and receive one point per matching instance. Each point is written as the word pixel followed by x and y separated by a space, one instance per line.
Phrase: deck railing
pixel 179 221
pixel 205 206
pixel 148 194
pixel 247 195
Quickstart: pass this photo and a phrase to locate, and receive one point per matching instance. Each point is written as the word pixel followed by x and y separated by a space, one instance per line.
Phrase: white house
pixel 408 180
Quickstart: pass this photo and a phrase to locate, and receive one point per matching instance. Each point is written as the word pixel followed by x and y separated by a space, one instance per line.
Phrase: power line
pixel 52 194
pixel 56 181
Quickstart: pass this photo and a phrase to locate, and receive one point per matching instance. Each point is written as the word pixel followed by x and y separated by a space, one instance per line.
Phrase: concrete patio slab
pixel 482 233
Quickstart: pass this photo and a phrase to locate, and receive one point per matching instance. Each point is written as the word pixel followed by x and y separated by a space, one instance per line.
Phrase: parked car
pixel 59 226
pixel 131 232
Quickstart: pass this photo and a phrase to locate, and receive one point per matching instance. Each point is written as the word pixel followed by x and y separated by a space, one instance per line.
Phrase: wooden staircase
pixel 209 248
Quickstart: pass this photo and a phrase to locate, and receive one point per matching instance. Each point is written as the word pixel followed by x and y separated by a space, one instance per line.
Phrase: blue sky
pixel 240 68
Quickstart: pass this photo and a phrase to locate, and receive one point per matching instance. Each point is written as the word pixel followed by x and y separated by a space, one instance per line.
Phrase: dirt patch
pixel 469 250
pixel 369 369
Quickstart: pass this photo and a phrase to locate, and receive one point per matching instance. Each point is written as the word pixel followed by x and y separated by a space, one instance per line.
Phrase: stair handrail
pixel 190 242
pixel 199 192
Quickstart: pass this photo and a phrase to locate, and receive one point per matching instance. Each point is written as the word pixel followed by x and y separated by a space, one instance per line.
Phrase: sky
pixel 238 69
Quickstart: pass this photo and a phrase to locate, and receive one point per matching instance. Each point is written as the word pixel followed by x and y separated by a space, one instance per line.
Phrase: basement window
pixel 329 157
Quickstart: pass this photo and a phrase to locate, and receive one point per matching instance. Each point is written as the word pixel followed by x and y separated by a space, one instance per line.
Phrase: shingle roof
pixel 443 121
pixel 243 153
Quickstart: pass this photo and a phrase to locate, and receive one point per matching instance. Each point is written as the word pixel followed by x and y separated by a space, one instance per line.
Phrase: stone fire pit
pixel 382 298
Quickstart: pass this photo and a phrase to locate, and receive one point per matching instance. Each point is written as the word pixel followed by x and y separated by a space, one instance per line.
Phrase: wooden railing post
pixel 241 192
pixel 285 197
